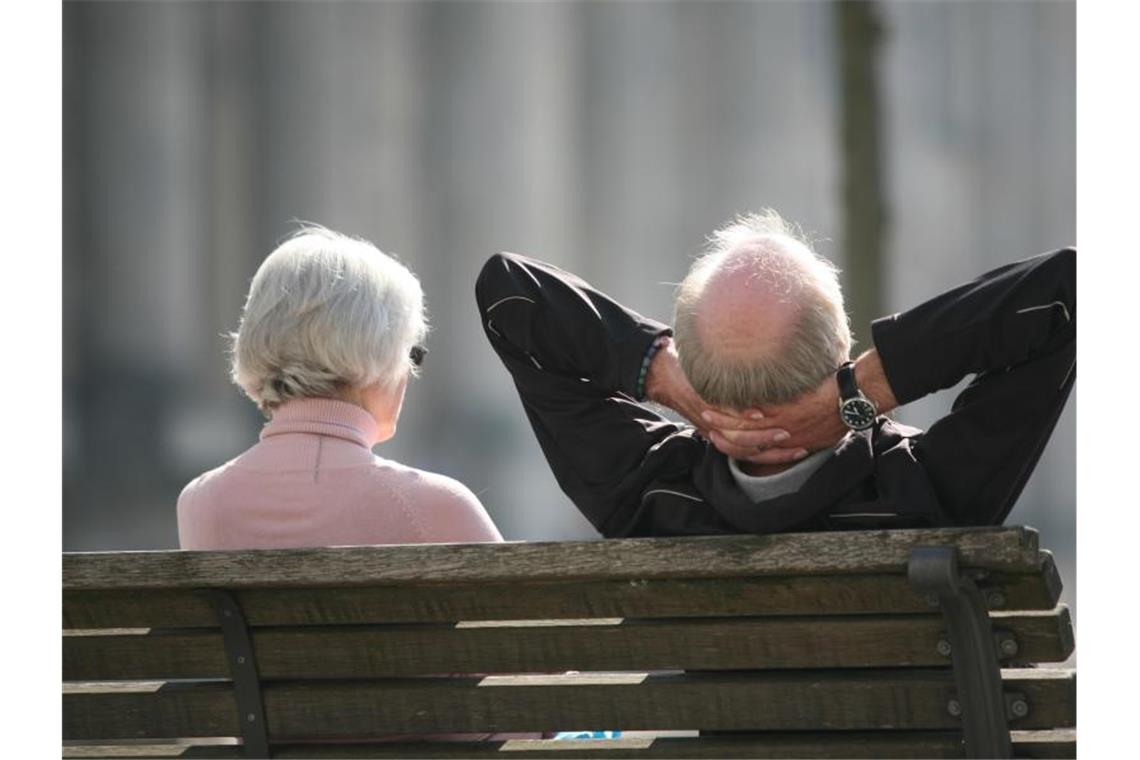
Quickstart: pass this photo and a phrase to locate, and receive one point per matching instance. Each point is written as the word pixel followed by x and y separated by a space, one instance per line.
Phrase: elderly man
pixel 786 433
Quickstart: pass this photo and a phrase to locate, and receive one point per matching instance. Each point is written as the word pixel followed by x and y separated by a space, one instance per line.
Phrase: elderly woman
pixel 331 331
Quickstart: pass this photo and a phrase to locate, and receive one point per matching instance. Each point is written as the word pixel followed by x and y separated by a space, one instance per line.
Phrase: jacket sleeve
pixel 1015 330
pixel 575 356
pixel 998 321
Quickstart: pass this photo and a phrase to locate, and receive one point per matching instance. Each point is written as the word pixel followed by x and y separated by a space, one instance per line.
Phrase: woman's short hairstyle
pixel 326 312
pixel 820 338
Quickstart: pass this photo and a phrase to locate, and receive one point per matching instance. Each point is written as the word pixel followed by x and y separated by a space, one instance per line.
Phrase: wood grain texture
pixel 94 711
pixel 783 700
pixel 1010 549
pixel 836 744
pixel 688 644
pixel 646 598
pixel 1060 743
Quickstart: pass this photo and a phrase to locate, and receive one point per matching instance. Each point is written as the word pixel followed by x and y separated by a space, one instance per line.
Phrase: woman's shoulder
pixel 197 508
pixel 422 483
pixel 205 482
pixel 434 495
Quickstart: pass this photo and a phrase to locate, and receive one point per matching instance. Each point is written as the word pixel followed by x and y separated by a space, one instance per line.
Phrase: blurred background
pixel 919 143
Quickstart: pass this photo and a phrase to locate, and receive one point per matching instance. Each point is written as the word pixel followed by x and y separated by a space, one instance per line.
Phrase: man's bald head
pixel 759 318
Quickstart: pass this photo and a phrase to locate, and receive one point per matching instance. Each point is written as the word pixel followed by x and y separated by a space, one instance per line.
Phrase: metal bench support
pixel 243 669
pixel 977 672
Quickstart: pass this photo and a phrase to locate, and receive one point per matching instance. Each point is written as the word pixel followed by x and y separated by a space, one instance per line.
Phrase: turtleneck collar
pixel 323 416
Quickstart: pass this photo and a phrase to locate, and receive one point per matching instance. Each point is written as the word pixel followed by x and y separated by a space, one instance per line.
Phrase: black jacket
pixel 574 355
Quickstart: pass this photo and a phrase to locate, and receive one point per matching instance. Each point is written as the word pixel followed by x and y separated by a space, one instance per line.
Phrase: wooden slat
pixel 1060 743
pixel 152 751
pixel 167 711
pixel 1011 549
pixel 771 595
pixel 155 655
pixel 694 644
pixel 1049 639
pixel 774 700
pixel 227 747
pixel 836 744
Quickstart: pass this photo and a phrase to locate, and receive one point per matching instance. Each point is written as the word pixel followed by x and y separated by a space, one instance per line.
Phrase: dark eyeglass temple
pixel 417 355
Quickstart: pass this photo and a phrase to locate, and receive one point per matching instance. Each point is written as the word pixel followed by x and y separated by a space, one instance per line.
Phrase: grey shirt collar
pixel 762 487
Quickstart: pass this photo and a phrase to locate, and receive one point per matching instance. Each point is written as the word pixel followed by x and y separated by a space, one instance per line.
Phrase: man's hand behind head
pixel 812 419
pixel 667 385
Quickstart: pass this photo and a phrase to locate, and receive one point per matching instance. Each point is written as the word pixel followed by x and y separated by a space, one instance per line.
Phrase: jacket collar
pixel 323 416
pixel 849 468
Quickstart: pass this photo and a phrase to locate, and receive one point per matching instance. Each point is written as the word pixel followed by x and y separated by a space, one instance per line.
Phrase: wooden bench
pixel 862 644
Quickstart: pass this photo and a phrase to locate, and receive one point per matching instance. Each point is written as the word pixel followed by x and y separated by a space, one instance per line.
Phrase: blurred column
pixel 631 117
pixel 859 33
pixel 209 421
pixel 500 169
pixel 139 127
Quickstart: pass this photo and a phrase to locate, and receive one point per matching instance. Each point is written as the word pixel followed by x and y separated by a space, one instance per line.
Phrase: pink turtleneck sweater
pixel 313 480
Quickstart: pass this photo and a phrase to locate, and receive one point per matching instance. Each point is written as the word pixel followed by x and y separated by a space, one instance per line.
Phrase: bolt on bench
pixel 908 643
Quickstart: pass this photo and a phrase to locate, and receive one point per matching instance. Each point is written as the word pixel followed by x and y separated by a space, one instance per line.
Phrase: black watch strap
pixel 845 376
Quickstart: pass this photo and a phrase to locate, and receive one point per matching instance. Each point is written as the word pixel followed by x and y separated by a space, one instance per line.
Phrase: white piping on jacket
pixel 1064 309
pixel 491 325
pixel 508 298
pixel 647 494
pixel 1067 375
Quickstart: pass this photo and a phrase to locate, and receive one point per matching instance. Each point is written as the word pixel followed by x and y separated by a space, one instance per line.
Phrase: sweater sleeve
pixel 193 533
pixel 454 513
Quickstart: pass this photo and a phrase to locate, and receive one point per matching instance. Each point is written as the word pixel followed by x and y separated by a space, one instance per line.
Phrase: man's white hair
pixel 326 312
pixel 820 338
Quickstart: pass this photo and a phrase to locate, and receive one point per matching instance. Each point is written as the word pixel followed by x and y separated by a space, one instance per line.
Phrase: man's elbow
pixel 494 278
pixel 1063 262
pixel 1064 267
pixel 1068 258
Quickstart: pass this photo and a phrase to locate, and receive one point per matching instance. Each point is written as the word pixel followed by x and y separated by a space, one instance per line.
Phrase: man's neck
pixel 762 470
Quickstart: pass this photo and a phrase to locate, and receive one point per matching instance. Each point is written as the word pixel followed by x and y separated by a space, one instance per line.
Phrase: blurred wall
pixel 608 138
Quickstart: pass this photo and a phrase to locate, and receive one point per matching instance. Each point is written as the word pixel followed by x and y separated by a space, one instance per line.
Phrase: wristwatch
pixel 856 410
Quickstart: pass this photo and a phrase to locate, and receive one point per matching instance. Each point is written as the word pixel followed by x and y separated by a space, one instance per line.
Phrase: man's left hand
pixel 667 385
pixel 812 420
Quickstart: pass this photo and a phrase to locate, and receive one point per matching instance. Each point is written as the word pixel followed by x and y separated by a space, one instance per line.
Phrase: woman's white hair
pixel 820 338
pixel 326 312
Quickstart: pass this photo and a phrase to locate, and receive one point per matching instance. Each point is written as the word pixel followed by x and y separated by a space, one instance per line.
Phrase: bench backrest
pixel 809 643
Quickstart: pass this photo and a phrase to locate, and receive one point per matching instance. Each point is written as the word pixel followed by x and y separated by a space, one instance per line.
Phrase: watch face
pixel 857 413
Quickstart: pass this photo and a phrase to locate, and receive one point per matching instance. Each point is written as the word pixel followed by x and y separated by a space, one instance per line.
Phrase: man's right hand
pixel 813 418
pixel 667 385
